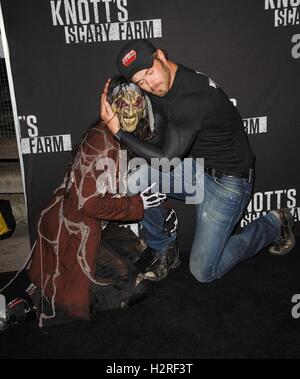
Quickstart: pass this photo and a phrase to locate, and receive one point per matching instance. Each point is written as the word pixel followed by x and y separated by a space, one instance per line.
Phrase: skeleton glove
pixel 151 200
pixel 171 223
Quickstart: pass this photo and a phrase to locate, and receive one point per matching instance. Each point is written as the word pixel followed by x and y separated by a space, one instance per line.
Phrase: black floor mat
pixel 246 314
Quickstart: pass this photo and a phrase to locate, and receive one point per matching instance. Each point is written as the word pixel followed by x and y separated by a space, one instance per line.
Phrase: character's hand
pixel 171 222
pixel 151 200
pixel 107 115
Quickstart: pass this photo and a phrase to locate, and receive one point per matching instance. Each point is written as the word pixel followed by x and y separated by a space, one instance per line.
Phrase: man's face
pixel 130 107
pixel 156 79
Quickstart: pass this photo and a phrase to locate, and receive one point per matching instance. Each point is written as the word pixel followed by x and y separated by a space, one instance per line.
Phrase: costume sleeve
pixel 100 146
pixel 115 209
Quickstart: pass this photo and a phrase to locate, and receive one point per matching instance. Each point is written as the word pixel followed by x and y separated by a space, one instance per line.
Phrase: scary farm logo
pixel 286 13
pixel 35 144
pixel 90 21
pixel 263 202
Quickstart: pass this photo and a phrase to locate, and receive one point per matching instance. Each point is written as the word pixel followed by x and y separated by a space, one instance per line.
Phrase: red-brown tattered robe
pixel 69 229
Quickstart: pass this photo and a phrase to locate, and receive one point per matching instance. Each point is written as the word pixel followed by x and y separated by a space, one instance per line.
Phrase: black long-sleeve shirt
pixel 196 118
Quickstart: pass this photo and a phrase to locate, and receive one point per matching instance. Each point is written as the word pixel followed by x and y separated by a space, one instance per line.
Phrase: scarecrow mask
pixel 130 106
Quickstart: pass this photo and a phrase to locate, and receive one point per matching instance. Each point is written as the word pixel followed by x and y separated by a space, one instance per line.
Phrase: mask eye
pixel 124 104
pixel 118 102
pixel 139 102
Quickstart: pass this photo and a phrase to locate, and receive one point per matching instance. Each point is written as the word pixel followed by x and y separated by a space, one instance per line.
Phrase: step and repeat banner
pixel 63 51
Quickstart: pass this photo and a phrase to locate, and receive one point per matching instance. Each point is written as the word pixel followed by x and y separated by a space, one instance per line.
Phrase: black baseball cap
pixel 135 56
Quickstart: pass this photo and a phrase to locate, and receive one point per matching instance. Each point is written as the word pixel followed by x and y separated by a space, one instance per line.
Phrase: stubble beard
pixel 163 87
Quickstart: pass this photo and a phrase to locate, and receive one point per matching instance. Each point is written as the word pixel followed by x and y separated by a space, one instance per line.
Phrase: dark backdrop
pixel 62 52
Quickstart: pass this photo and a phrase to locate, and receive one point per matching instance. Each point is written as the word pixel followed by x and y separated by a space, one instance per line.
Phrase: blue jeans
pixel 153 228
pixel 154 218
pixel 216 249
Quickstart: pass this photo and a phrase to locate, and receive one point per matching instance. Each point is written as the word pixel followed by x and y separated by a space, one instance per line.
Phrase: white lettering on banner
pixel 69 12
pixel 296 47
pixel 50 144
pixel 272 200
pixel 113 32
pixel 38 145
pixel 272 4
pixel 263 202
pixel 285 17
pixel 31 122
pixel 92 21
pixel 250 217
pixel 286 12
pixel 255 125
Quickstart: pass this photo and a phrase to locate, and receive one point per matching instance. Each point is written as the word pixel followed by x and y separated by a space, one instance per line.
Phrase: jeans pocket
pixel 233 186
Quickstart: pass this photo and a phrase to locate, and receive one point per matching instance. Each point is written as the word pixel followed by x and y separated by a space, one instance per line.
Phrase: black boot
pixel 145 260
pixel 142 290
pixel 163 262
pixel 286 241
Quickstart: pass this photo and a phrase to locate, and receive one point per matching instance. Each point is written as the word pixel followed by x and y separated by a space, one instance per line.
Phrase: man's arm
pixel 160 126
pixel 176 143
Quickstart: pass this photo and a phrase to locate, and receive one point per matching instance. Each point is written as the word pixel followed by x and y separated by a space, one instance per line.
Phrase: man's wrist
pixel 119 134
pixel 114 128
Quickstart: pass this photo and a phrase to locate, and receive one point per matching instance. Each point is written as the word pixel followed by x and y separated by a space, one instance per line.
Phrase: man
pixel 201 121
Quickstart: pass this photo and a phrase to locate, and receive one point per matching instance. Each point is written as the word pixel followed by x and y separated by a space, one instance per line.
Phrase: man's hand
pixel 107 115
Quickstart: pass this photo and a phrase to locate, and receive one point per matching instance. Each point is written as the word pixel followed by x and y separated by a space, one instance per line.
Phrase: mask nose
pixel 130 111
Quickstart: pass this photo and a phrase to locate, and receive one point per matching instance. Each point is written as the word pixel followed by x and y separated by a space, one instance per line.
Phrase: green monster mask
pixel 130 106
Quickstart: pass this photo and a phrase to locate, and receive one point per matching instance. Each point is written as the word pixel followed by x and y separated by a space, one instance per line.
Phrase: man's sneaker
pixel 163 262
pixel 286 241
